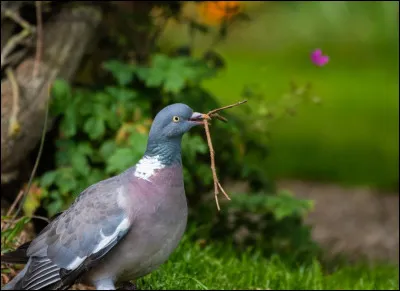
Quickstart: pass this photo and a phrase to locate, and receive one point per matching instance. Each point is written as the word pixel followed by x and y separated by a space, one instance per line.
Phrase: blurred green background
pixel 350 138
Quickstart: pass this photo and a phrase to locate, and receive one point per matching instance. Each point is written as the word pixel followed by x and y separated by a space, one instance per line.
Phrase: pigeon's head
pixel 164 144
pixel 173 121
pixel 166 132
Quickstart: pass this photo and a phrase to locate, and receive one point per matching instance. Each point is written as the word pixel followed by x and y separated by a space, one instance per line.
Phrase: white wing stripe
pixel 124 225
pixel 75 263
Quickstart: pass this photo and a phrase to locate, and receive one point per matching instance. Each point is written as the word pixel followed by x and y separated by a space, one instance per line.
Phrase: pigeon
pixel 121 228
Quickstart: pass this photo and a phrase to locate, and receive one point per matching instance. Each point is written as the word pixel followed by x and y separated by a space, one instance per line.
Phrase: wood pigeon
pixel 121 228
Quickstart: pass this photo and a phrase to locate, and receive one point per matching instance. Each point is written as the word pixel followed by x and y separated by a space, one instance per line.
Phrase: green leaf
pixel 152 77
pixel 64 147
pixel 61 96
pixel 285 204
pixel 85 148
pixel 138 143
pixel 80 163
pixel 95 176
pixel 100 110
pixel 107 149
pixel 94 127
pixel 55 207
pixel 173 73
pixel 120 160
pixel 33 201
pixel 12 232
pixel 48 179
pixel 60 89
pixel 69 123
pixel 160 61
pixel 85 100
pixel 121 94
pixel 114 118
pixel 66 181
pixel 123 73
pixel 174 83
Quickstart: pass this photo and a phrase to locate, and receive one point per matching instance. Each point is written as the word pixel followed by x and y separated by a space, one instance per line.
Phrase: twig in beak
pixel 212 156
pixel 208 116
pixel 225 107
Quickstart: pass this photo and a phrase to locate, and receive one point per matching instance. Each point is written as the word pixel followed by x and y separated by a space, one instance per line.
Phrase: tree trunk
pixel 65 38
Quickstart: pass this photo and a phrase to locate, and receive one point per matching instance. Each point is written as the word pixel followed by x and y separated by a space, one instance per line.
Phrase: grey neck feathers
pixel 167 150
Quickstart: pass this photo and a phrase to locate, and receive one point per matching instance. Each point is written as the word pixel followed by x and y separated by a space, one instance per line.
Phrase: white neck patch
pixel 146 167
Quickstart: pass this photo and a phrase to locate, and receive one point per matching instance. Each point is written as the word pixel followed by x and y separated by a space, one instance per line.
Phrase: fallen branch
pixel 209 116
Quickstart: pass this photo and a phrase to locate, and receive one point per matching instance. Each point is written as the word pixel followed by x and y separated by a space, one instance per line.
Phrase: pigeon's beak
pixel 198 118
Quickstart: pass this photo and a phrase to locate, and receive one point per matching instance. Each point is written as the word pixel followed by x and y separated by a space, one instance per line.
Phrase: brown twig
pixel 212 156
pixel 225 107
pixel 13 126
pixel 39 38
pixel 209 116
pixel 10 210
pixel 16 39
pixel 11 44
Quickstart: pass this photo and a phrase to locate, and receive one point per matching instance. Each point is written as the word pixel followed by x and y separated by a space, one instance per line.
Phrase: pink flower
pixel 318 58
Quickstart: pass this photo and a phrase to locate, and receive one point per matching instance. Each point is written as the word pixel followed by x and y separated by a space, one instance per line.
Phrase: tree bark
pixel 65 38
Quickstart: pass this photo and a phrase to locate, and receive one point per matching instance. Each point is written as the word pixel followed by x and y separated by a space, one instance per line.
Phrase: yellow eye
pixel 175 119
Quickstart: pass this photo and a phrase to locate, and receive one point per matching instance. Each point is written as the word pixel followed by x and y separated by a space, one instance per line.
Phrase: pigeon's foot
pixel 128 286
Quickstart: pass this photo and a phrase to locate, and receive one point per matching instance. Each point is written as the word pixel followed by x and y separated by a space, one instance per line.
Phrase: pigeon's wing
pixel 78 238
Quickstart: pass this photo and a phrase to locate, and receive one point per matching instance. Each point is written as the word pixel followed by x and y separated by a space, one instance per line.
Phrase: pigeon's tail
pixel 16 257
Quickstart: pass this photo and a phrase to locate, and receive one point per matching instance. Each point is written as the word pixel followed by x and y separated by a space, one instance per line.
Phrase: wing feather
pixel 73 242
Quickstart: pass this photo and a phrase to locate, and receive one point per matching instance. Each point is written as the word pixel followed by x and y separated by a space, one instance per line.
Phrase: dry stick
pixel 13 126
pixel 15 203
pixel 16 39
pixel 11 44
pixel 214 172
pixel 209 115
pixel 39 38
pixel 225 107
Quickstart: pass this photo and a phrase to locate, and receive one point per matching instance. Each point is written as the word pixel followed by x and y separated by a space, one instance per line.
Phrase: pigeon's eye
pixel 175 118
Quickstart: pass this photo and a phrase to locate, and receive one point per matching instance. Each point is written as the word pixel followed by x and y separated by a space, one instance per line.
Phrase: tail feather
pixel 18 256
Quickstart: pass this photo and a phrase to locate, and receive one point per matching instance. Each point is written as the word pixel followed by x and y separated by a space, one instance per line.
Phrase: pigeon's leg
pixel 128 286
pixel 104 284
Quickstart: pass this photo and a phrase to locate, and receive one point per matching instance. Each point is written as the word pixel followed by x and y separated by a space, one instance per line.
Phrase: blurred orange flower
pixel 213 12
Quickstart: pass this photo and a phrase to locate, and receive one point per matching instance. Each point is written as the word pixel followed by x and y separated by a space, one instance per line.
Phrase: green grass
pixel 218 267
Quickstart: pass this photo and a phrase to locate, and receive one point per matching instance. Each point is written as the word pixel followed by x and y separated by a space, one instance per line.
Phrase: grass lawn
pixel 217 267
